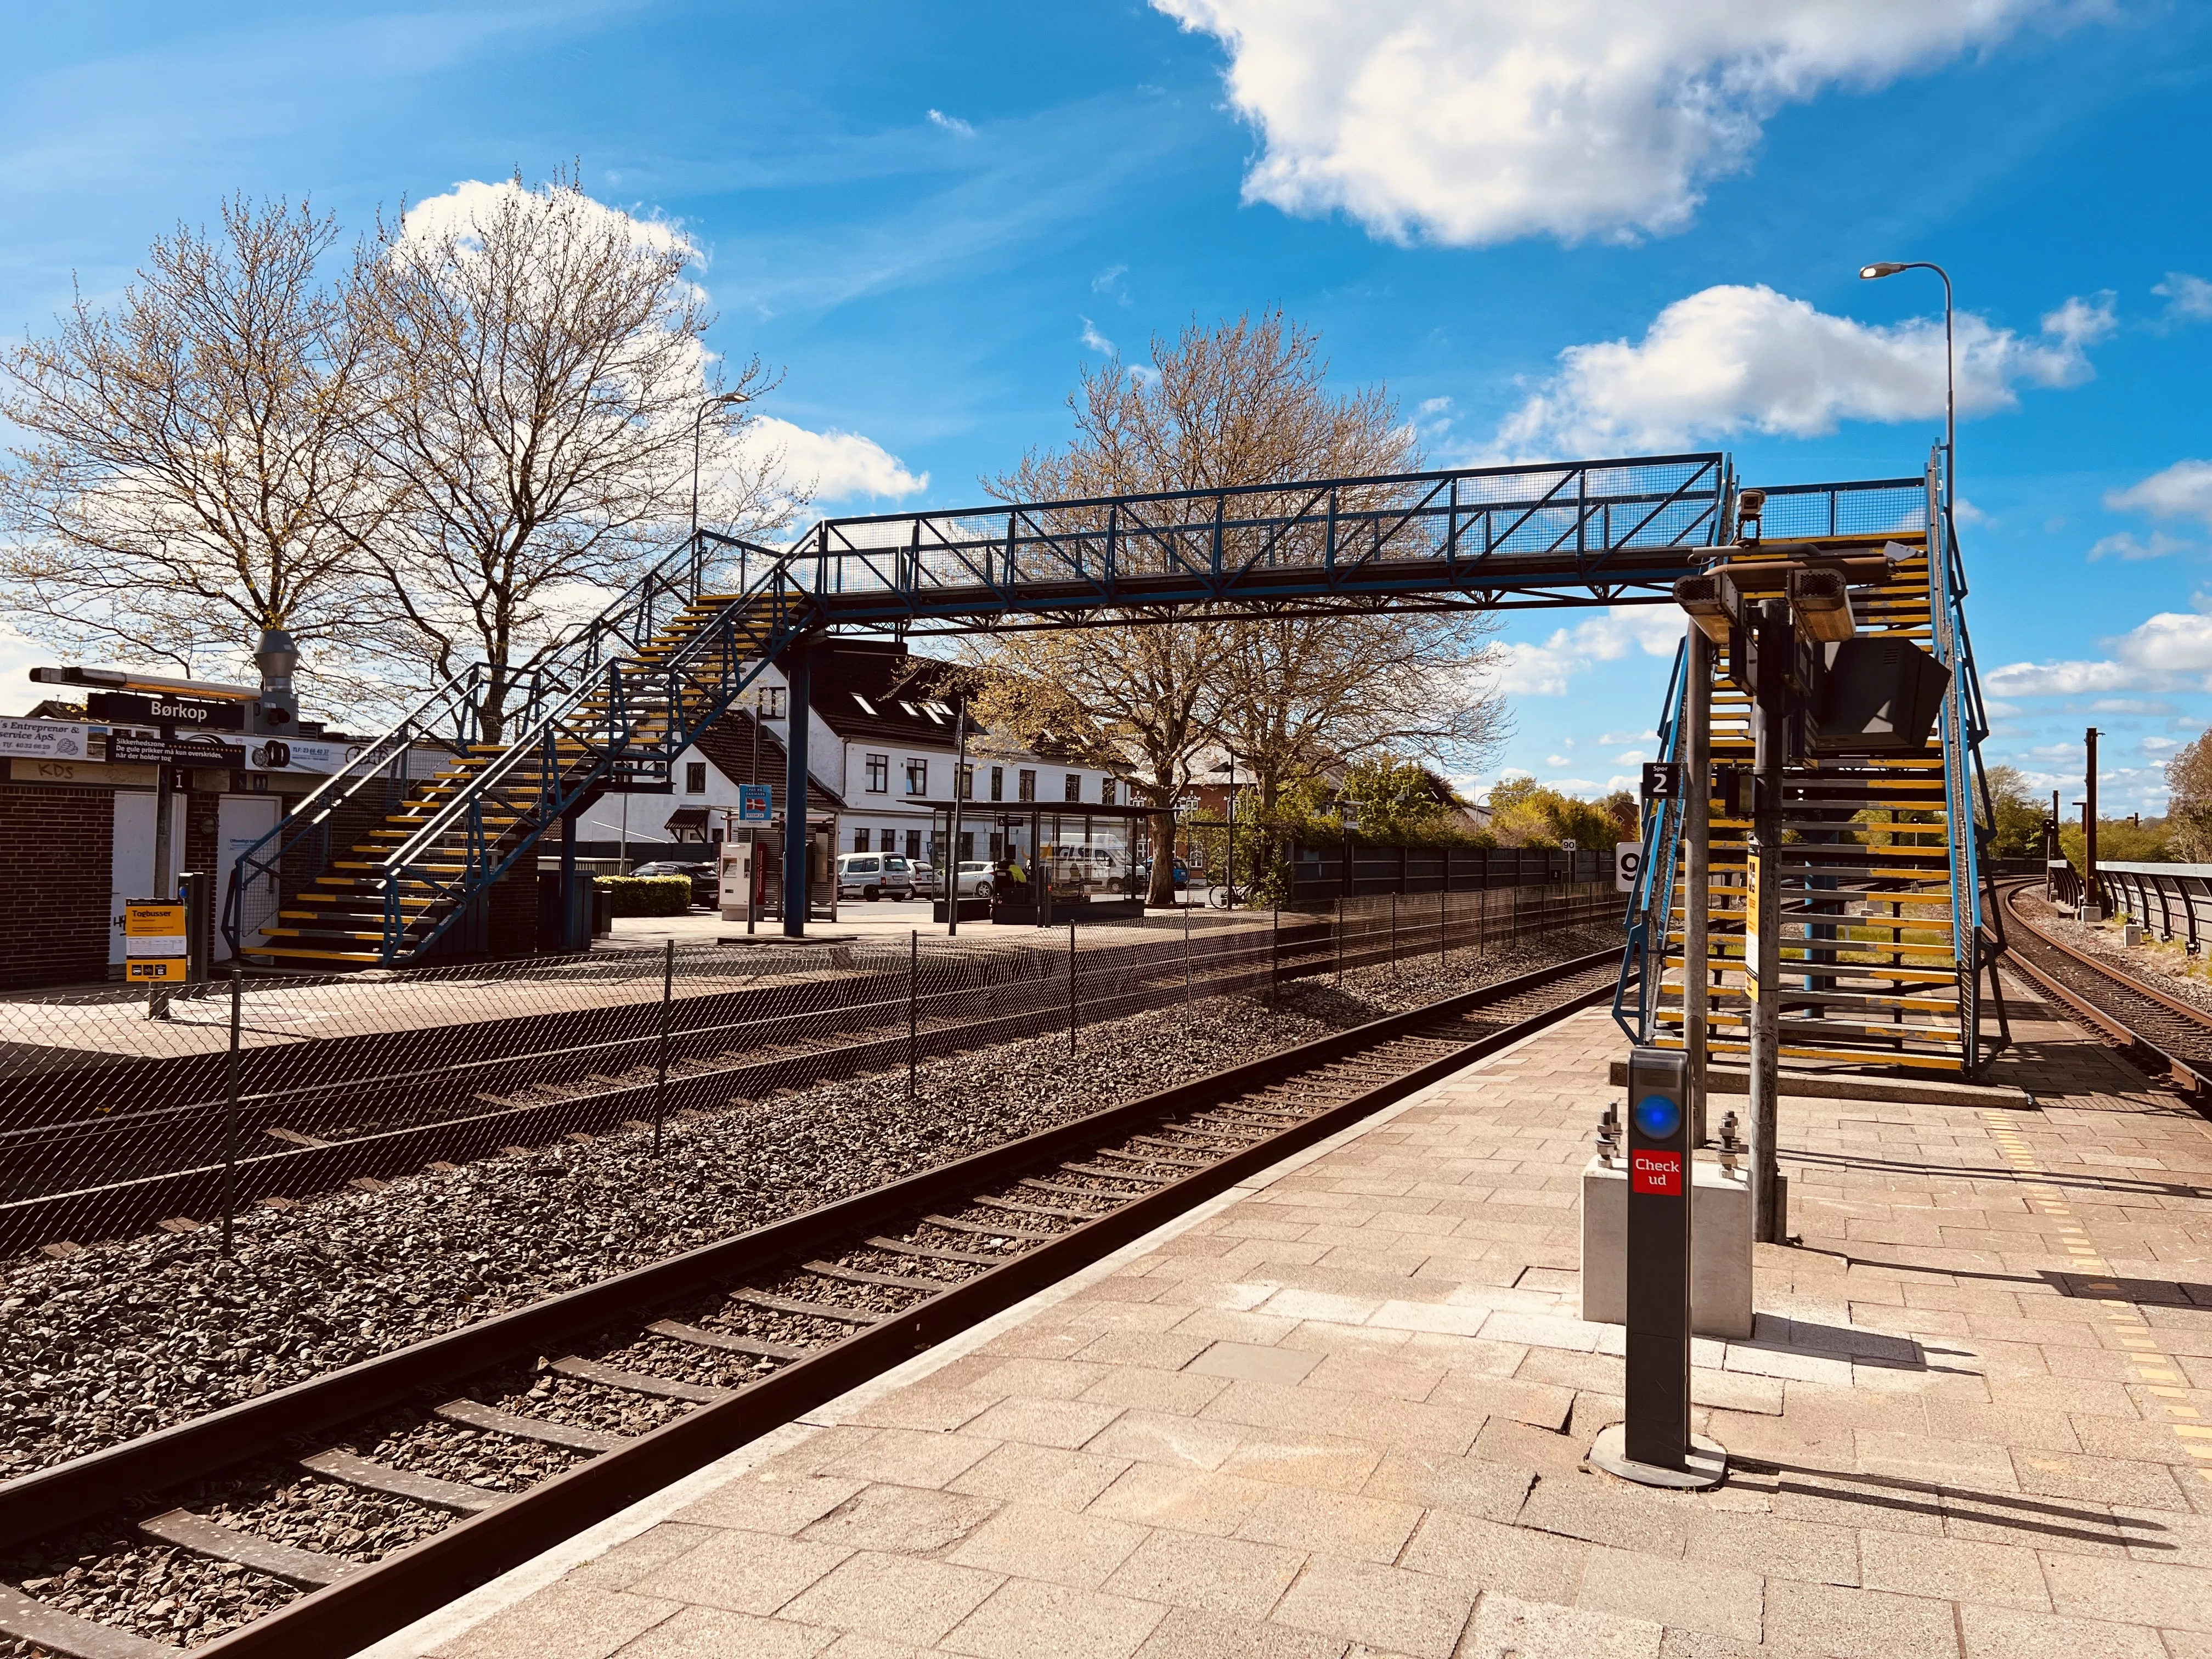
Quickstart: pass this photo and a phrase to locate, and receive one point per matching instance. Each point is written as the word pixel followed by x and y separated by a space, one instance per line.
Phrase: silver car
pixel 874 876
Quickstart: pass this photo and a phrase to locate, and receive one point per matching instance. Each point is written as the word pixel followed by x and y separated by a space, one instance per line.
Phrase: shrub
pixel 648 896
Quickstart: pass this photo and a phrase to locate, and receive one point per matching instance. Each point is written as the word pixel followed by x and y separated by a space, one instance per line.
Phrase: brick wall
pixel 56 858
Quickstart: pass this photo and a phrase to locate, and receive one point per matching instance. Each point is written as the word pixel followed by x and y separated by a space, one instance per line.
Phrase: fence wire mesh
pixel 124 1111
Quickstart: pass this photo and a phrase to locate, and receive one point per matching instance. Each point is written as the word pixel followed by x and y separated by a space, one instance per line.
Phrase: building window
pixel 859 841
pixel 967 783
pixel 914 844
pixel 695 777
pixel 1027 784
pixel 1073 789
pixel 917 777
pixel 879 775
pixel 968 846
pixel 998 783
pixel 1105 792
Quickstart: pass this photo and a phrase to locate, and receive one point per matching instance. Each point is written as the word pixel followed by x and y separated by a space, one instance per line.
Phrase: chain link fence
pixel 120 1113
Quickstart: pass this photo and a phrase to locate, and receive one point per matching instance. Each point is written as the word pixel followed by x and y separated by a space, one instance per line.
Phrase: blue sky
pixel 1636 232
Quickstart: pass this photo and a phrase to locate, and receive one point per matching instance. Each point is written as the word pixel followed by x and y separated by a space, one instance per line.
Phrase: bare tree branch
pixel 537 360
pixel 190 477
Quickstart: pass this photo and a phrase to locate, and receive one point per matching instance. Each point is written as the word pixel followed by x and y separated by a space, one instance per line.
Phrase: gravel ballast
pixel 125 1337
pixel 2167 966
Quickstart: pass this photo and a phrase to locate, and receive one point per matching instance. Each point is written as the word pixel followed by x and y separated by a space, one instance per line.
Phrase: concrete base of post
pixel 1706 1462
pixel 2089 912
pixel 1720 1247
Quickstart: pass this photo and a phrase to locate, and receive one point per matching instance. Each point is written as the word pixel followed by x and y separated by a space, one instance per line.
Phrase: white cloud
pixel 2126 545
pixel 2171 652
pixel 1094 340
pixel 2183 490
pixel 1556 760
pixel 1967 512
pixel 1731 359
pixel 1472 121
pixel 2188 299
pixel 1543 671
pixel 1631 757
pixel 833 465
pixel 951 124
pixel 472 203
pixel 1109 281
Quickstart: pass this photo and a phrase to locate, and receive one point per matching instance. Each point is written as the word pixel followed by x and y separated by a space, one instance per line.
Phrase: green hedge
pixel 648 896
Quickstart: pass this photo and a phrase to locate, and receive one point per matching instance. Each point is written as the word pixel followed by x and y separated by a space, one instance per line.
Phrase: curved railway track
pixel 694 1356
pixel 2110 999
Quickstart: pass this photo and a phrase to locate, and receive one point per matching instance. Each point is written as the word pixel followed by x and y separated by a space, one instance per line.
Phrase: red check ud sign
pixel 1656 1172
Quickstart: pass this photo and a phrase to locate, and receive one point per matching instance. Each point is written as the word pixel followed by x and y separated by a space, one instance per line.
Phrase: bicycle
pixel 1223 897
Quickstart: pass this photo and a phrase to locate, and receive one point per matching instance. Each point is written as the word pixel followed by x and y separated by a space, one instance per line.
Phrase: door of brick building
pixel 133 873
pixel 242 820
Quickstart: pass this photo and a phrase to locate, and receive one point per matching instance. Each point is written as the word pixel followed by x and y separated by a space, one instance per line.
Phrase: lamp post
pixel 1890 267
pixel 697 421
pixel 1229 818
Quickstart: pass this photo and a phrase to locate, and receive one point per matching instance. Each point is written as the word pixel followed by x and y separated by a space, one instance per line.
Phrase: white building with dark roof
pixel 881 758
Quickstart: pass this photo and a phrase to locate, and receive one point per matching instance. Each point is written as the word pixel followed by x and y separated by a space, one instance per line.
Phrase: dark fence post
pixel 1444 896
pixel 1071 990
pixel 1394 913
pixel 230 1113
pixel 1339 940
pixel 660 1072
pixel 1186 950
pixel 913 978
pixel 1275 955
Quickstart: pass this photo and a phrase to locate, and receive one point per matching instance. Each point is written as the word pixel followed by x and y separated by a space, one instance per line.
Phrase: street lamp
pixel 697 421
pixel 1890 267
pixel 1228 817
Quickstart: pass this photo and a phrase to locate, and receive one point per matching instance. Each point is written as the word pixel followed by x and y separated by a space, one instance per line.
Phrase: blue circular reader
pixel 1658 1116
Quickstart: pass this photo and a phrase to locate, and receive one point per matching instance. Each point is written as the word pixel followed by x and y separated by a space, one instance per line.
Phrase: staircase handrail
pixel 1662 841
pixel 628 614
pixel 553 723
pixel 371 761
pixel 1957 733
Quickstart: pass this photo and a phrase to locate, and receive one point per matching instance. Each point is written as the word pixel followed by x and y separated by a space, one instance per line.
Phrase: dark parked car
pixel 706 879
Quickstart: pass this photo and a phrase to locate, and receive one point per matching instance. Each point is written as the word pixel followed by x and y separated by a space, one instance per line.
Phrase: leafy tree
pixel 2020 815
pixel 2189 807
pixel 2121 841
pixel 1525 813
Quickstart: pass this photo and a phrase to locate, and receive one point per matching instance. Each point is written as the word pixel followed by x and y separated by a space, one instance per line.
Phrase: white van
pixel 874 876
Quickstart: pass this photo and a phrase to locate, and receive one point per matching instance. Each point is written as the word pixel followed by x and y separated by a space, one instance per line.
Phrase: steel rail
pixel 2127 1027
pixel 386 1595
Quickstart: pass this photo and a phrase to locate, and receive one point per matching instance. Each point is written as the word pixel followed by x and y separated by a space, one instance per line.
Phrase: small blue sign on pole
pixel 756 803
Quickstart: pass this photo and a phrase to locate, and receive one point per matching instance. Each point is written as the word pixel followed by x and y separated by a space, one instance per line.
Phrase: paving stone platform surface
pixel 1344 1412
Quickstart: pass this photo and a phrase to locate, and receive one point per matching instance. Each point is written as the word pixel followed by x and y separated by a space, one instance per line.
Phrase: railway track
pixel 2110 999
pixel 489 1444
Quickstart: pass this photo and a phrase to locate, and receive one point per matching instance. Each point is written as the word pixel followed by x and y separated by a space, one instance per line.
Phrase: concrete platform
pixel 1343 1410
